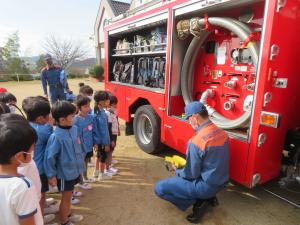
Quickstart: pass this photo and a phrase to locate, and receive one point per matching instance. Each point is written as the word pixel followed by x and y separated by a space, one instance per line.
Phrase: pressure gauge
pixel 245 56
pixel 235 56
pixel 241 56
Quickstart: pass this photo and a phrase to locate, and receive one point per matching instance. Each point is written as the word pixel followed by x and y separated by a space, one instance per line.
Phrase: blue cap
pixel 193 108
pixel 47 56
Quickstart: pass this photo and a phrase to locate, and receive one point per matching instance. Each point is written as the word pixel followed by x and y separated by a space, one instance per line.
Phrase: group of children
pixel 53 147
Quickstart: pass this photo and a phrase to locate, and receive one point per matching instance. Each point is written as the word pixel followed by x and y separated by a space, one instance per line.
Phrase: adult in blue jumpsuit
pixel 206 171
pixel 55 77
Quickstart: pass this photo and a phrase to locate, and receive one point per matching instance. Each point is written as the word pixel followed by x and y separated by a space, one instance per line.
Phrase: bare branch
pixel 64 51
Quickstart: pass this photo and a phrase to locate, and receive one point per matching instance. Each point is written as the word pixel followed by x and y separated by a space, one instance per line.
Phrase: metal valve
pixel 230 84
pixel 249 87
pixel 228 105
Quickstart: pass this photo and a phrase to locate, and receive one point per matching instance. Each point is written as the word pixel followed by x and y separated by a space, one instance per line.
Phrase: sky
pixel 37 19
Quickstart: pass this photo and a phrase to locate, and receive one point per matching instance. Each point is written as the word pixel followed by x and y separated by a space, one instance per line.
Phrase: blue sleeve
pixel 95 131
pixel 106 137
pixel 44 82
pixel 79 130
pixel 63 79
pixel 192 169
pixel 100 133
pixel 51 154
pixel 47 131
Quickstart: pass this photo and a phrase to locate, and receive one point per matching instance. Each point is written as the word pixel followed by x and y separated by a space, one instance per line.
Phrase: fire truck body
pixel 242 62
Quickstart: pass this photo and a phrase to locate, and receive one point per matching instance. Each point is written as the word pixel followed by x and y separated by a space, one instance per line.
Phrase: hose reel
pixel 201 29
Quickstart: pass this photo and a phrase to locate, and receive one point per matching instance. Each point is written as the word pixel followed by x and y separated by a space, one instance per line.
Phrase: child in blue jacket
pixel 37 110
pixel 85 123
pixel 64 161
pixel 101 134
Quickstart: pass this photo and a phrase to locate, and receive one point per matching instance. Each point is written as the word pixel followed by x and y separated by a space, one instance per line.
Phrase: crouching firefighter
pixel 55 77
pixel 207 168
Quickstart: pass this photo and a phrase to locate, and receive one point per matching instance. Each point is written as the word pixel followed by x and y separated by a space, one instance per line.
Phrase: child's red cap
pixel 2 89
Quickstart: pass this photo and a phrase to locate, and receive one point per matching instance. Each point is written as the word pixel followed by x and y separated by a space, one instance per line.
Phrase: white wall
pixel 106 16
pixel 136 3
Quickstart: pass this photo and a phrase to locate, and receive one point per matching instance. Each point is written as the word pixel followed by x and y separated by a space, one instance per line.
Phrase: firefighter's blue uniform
pixel 56 79
pixel 206 171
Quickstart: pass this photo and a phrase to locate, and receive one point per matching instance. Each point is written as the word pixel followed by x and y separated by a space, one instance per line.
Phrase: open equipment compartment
pixel 137 54
pixel 214 65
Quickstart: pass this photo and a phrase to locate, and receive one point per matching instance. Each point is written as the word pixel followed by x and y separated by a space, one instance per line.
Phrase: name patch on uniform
pixel 90 127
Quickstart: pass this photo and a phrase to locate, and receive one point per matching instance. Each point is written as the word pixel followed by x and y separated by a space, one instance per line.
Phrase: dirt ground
pixel 129 199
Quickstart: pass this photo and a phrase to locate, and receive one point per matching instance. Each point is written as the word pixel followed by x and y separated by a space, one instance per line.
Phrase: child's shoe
pixel 77 194
pixel 75 218
pixel 115 170
pixel 69 223
pixel 89 180
pixel 110 172
pixel 90 164
pixel 104 176
pixel 96 173
pixel 84 186
pixel 53 189
pixel 49 201
pixel 48 218
pixel 52 209
pixel 114 161
pixel 75 201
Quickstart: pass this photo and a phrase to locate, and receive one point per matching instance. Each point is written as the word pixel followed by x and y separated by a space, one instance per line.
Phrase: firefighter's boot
pixel 199 209
pixel 214 202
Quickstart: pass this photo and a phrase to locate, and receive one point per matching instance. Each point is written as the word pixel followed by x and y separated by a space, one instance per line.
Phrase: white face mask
pixel 193 123
pixel 90 97
pixel 12 109
pixel 23 164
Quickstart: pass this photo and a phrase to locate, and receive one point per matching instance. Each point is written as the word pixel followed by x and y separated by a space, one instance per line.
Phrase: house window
pixel 105 22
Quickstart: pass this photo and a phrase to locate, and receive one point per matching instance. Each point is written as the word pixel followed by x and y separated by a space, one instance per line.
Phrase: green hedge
pixel 97 71
pixel 27 77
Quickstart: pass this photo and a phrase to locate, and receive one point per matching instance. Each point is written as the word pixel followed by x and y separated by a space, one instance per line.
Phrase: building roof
pixel 118 7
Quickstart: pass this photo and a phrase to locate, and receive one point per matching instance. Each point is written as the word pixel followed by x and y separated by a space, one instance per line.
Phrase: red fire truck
pixel 239 57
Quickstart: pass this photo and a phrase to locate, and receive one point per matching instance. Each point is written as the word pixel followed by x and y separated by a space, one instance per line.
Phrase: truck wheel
pixel 146 125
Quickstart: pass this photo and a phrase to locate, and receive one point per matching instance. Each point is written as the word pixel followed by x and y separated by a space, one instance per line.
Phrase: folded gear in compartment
pixel 158 39
pixel 118 70
pixel 151 72
pixel 141 44
pixel 144 71
pixel 123 47
pixel 127 75
pixel 158 73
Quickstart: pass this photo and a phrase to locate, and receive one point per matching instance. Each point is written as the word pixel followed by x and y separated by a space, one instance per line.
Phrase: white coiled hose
pixel 187 71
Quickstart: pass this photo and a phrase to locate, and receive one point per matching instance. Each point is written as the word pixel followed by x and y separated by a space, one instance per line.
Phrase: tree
pixel 12 47
pixel 97 72
pixel 16 65
pixel 12 63
pixel 64 51
pixel 40 64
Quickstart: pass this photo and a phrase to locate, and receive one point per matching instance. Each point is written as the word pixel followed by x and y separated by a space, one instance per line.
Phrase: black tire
pixel 146 125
